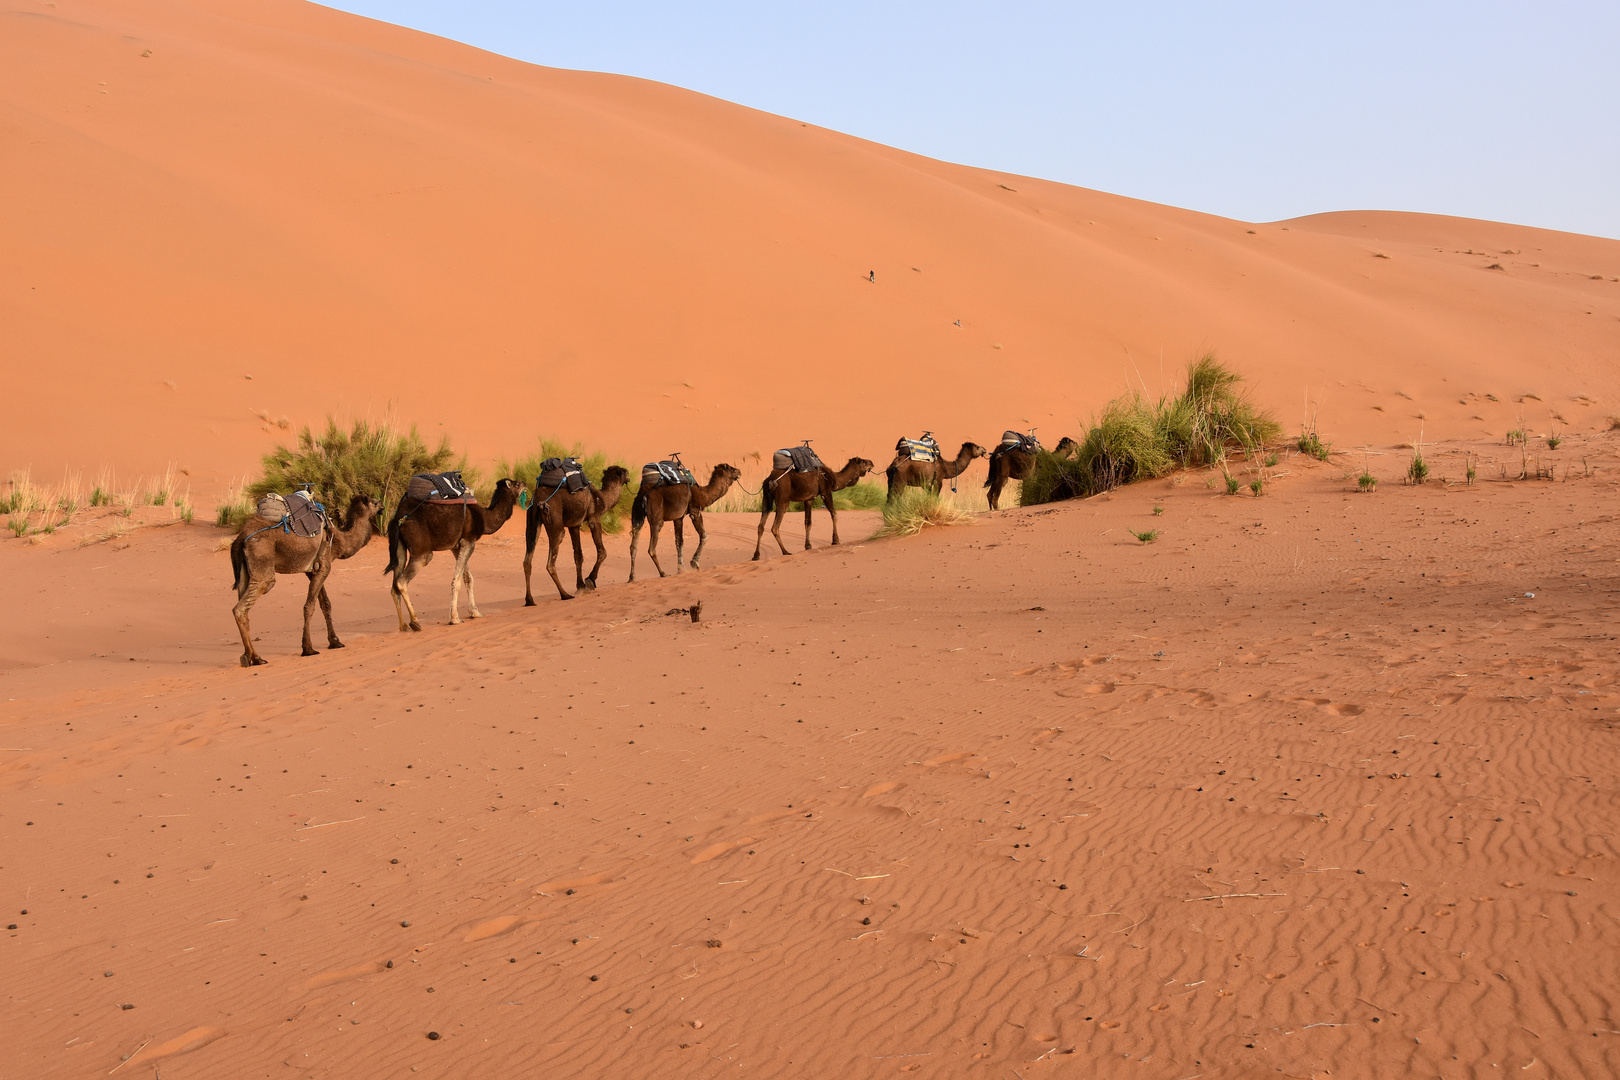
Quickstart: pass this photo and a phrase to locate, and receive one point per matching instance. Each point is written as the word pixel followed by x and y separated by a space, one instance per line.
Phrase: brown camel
pixel 784 487
pixel 262 550
pixel 1015 464
pixel 418 529
pixel 559 509
pixel 904 472
pixel 672 502
pixel 702 499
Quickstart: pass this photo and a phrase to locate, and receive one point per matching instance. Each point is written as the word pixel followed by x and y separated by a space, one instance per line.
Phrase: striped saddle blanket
pixel 923 449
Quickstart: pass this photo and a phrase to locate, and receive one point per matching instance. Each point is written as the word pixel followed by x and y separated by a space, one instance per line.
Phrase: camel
pixel 702 499
pixel 782 488
pixel 672 502
pixel 904 472
pixel 561 509
pixel 418 529
pixel 1015 464
pixel 262 550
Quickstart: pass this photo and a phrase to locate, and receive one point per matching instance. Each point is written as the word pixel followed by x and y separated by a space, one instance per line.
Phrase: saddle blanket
pixel 296 513
pixel 923 449
pixel 796 459
pixel 446 487
pixel 560 472
pixel 1017 440
pixel 659 473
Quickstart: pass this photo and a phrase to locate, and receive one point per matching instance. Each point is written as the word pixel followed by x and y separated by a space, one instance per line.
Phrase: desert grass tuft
pixel 1553 441
pixel 917 509
pixel 1133 438
pixel 376 459
pixel 1146 537
pixel 1418 470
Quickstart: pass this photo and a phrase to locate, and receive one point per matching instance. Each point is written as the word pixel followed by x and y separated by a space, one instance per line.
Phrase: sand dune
pixel 222 211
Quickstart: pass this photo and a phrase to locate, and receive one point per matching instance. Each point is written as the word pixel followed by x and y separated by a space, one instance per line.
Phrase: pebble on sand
pixel 433 1034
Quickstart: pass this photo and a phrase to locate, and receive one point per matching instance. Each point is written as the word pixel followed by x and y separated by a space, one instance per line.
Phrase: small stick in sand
pixel 131 1057
pixel 1231 895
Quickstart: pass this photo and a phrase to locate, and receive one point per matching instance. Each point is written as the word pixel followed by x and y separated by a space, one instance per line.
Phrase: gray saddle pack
pixel 298 513
pixel 795 459
pixel 660 473
pixel 446 487
pixel 1017 440
pixel 559 472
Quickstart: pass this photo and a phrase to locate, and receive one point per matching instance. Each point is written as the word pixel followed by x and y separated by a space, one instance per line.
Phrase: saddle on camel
pixel 297 514
pixel 924 449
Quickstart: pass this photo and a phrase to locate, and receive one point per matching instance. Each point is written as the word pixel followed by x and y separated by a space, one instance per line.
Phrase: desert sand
pixel 1317 783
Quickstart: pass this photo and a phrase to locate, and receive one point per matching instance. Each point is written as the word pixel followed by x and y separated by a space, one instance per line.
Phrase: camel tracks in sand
pixel 195 1039
pixel 328 978
pixel 721 849
pixel 883 788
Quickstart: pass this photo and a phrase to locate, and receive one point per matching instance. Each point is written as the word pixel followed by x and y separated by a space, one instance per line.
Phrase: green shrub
pixel 374 460
pixel 17 525
pixel 100 496
pixel 1310 443
pixel 1257 485
pixel 526 468
pixel 1418 470
pixel 1366 481
pixel 1157 510
pixel 1553 441
pixel 1233 486
pixel 1146 537
pixel 1133 438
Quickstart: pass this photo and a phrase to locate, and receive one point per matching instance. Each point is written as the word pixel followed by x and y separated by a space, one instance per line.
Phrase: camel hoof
pixel 253 661
pixel 587 586
pixel 755 558
pixel 528 601
pixel 416 626
pixel 475 614
pixel 310 652
pixel 564 596
pixel 334 644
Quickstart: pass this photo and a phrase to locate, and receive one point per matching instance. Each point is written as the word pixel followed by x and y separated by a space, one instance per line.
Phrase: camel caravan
pixel 295 534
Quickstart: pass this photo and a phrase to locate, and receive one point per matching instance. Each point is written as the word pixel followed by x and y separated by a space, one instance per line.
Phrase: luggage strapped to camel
pixel 669 471
pixel 557 473
pixel 924 449
pixel 297 514
pixel 441 489
pixel 795 459
pixel 1017 440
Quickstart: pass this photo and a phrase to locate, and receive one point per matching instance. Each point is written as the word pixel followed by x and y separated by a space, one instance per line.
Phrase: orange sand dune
pixel 217 211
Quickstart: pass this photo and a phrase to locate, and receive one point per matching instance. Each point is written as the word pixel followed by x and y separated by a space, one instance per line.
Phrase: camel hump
pixel 557 472
pixel 445 487
pixel 297 513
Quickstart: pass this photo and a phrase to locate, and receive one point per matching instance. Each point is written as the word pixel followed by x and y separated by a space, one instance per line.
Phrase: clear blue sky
pixel 1508 111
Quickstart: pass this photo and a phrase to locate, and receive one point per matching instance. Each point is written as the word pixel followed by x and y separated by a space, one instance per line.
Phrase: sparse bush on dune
pixel 918 508
pixel 365 458
pixel 595 462
pixel 1133 438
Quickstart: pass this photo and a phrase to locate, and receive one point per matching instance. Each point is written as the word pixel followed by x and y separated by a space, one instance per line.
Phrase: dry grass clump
pixel 918 508
pixel 594 463
pixel 1134 438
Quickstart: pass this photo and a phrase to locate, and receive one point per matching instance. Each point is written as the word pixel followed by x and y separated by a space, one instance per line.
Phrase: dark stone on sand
pixel 1063 886
pixel 126 1007
pixel 593 978
pixel 392 861
pixel 433 1034
pixel 404 922
pixel 389 964
pixel 106 974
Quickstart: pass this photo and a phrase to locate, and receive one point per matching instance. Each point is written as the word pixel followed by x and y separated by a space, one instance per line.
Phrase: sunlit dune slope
pixel 219 210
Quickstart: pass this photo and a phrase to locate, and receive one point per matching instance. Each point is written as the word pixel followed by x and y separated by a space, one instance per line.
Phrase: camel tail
pixel 531 527
pixel 638 511
pixel 394 561
pixel 238 563
pixel 767 496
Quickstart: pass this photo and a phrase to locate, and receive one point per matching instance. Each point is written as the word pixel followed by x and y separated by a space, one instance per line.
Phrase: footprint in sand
pixel 327 978
pixel 946 759
pixel 1344 709
pixel 725 847
pixel 1447 699
pixel 883 788
pixel 1109 1025
pixel 195 1039
pixel 562 885
pixel 496 927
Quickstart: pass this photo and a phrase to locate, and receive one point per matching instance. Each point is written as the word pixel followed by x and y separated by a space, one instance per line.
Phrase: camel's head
pixel 730 473
pixel 615 474
pixel 975 450
pixel 364 507
pixel 1065 445
pixel 506 489
pixel 861 465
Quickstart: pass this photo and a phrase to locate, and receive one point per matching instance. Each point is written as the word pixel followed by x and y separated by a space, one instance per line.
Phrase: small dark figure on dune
pixel 264 549
pixel 418 529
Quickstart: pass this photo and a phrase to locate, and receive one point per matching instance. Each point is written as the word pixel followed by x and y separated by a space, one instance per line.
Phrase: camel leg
pixel 998 480
pixel 402 590
pixel 553 545
pixel 528 561
pixel 680 541
pixel 467 574
pixel 601 554
pixel 809 505
pixel 317 581
pixel 245 599
pixel 332 641
pixel 653 525
pixel 759 538
pixel 776 526
pixel 832 512
pixel 635 534
pixel 579 561
pixel 462 552
pixel 702 535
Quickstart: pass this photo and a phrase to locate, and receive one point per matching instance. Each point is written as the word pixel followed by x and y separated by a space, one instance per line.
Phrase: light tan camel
pixel 672 502
pixel 418 529
pixel 904 472
pixel 702 499
pixel 262 550
pixel 1015 464
pixel 559 509
pixel 783 488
